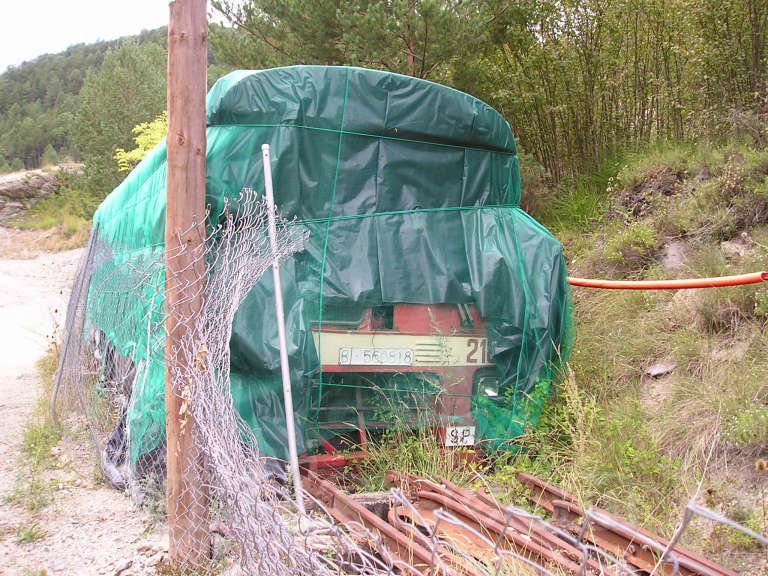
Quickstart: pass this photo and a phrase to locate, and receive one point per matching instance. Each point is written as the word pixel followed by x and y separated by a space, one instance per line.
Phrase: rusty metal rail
pixel 513 531
pixel 432 528
pixel 635 545
pixel 402 548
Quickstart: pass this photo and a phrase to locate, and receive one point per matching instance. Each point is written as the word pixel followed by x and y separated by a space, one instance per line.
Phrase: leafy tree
pixel 728 58
pixel 147 136
pixel 50 156
pixel 129 88
pixel 579 80
pixel 420 38
pixel 16 165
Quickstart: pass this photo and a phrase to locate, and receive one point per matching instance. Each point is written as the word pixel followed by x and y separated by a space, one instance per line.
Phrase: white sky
pixel 30 28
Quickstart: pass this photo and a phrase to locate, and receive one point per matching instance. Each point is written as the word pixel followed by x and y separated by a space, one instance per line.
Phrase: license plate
pixel 375 356
pixel 460 436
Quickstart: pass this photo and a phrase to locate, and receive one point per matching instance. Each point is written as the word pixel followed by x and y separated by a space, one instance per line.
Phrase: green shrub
pixel 633 248
pixel 637 167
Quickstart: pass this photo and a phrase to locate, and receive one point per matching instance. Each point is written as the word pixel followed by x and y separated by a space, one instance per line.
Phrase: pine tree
pixel 127 90
pixel 50 156
pixel 421 38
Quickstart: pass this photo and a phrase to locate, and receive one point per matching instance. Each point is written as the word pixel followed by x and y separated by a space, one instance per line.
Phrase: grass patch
pixel 664 156
pixel 634 247
pixel 555 449
pixel 32 493
pixel 40 436
pixel 578 205
pixel 29 533
pixel 32 490
pixel 412 451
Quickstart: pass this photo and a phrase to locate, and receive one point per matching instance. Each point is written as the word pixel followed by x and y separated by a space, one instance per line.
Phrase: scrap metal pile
pixel 423 527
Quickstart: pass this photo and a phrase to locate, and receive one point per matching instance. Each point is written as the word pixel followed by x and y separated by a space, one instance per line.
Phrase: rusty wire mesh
pixel 243 516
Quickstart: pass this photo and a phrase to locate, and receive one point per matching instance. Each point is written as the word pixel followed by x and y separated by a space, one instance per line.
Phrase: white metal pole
pixel 287 396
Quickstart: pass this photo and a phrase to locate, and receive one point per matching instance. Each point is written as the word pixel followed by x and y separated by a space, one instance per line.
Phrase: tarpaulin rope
pixel 325 247
pixel 718 281
pixel 405 212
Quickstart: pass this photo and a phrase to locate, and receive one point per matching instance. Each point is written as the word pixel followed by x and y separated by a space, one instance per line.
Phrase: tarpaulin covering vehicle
pixel 422 285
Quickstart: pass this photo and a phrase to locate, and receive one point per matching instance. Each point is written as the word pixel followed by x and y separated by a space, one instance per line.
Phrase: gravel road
pixel 89 529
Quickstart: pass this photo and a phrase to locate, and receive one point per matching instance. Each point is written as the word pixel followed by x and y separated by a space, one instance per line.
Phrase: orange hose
pixel 738 280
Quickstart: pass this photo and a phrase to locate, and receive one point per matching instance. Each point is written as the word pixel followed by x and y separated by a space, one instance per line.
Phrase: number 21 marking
pixel 474 344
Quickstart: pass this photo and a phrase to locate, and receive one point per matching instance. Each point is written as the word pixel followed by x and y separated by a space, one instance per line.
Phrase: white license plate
pixel 460 436
pixel 375 356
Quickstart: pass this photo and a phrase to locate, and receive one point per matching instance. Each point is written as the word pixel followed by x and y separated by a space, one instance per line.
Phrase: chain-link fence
pixel 237 510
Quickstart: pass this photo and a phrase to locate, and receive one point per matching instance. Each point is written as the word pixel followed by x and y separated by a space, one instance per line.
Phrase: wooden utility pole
pixel 184 270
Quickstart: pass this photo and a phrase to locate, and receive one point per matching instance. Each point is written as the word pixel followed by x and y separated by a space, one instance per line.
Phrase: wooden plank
pixel 185 206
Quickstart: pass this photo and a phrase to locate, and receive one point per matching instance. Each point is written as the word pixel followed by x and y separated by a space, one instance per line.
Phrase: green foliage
pixel 636 445
pixel 66 213
pixel 128 89
pixel 562 440
pixel 574 204
pixel 746 426
pixel 633 247
pixel 29 533
pixel 632 456
pixel 420 38
pixel 666 157
pixel 147 136
pixel 50 156
pixel 578 205
pixel 761 303
pixel 34 572
pixel 410 443
pixel 688 69
pixel 606 453
pixel 413 451
pixel 38 438
pixel 33 493
pixel 32 489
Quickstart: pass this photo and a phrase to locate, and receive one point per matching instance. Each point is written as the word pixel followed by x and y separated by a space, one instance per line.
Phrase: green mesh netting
pixel 422 278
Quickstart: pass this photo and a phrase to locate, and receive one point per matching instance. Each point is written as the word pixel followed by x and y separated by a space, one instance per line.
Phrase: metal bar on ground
pixel 637 546
pixel 413 557
pixel 293 456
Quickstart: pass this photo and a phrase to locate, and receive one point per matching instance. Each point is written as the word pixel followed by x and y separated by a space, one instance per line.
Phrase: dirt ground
pixel 89 529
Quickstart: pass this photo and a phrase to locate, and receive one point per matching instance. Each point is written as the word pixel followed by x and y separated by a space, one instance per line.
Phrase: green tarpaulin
pixel 410 191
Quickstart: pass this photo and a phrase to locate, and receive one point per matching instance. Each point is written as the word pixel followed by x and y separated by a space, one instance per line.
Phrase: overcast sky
pixel 29 28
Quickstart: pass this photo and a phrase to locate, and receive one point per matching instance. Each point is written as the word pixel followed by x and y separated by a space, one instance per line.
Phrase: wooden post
pixel 185 207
